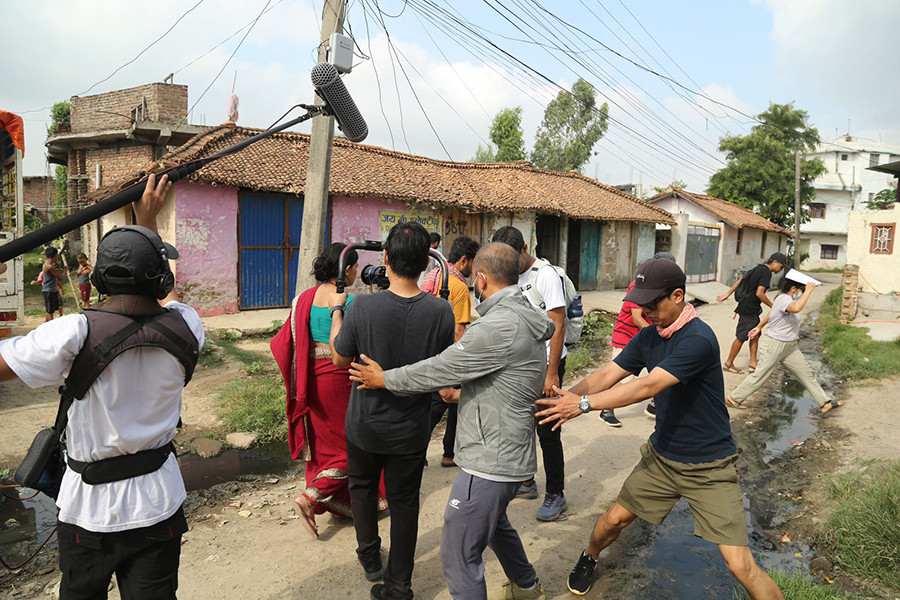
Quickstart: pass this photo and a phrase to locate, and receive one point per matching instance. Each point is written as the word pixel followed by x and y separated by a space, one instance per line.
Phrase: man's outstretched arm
pixel 6 374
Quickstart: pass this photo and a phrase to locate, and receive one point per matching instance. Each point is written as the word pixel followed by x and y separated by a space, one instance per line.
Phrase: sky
pixel 430 74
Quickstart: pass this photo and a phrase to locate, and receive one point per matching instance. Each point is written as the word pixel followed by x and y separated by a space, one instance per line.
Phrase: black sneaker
pixel 581 577
pixel 378 592
pixel 373 567
pixel 650 409
pixel 609 417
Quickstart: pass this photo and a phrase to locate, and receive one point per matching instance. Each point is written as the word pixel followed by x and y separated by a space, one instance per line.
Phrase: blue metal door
pixel 590 255
pixel 269 244
pixel 702 254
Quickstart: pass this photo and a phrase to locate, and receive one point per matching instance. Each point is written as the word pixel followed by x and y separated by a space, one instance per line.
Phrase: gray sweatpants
pixel 475 518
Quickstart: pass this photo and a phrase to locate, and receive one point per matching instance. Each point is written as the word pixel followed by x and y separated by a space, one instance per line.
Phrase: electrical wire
pixel 238 47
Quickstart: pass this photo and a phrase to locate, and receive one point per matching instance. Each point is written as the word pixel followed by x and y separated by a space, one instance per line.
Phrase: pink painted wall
pixel 206 239
pixel 355 220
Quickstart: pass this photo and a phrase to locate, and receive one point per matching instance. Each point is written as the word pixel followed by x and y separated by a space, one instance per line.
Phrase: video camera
pixel 377 274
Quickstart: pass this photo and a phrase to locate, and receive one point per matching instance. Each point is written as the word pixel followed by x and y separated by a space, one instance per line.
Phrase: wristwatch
pixel 584 404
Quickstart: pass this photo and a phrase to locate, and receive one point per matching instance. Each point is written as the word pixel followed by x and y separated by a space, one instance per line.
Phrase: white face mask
pixel 479 297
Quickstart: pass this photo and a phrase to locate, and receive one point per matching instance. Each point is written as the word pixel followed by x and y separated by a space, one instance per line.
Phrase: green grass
pixel 799 587
pixel 849 351
pixel 594 337
pixel 255 404
pixel 833 270
pixel 864 528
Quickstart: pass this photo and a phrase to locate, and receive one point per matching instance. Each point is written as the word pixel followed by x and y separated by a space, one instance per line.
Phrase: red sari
pixel 317 396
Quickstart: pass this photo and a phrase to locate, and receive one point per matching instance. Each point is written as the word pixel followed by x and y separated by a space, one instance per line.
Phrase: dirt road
pixel 245 542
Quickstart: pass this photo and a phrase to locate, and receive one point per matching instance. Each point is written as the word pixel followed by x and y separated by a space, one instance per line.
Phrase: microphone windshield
pixel 331 88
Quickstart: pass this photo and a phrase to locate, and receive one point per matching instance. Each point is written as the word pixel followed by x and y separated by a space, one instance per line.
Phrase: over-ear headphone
pixel 161 281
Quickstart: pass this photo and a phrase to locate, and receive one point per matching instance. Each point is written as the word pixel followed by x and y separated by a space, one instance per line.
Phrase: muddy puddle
pixel 669 562
pixel 25 523
pixel 234 465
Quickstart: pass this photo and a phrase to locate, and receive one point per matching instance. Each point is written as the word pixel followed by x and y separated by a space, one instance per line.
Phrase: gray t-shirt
pixel 783 326
pixel 393 331
pixel 49 284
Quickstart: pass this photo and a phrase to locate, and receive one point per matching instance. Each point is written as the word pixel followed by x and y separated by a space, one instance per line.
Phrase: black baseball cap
pixel 653 278
pixel 778 256
pixel 127 256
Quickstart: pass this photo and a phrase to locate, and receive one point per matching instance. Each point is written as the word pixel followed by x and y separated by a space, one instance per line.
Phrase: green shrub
pixel 864 528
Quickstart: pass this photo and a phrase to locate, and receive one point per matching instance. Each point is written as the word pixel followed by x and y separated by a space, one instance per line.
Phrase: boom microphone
pixel 331 88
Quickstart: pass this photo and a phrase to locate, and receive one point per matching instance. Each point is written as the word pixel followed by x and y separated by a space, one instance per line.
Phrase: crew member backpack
pixel 109 335
pixel 574 307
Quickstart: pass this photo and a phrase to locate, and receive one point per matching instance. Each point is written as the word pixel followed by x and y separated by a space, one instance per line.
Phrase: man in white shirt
pixel 549 288
pixel 131 527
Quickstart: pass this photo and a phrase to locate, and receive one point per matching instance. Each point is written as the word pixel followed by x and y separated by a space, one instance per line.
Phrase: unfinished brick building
pixel 113 134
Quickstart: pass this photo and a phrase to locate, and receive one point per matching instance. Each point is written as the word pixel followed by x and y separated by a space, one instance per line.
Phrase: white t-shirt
pixel 550 289
pixel 783 325
pixel 133 405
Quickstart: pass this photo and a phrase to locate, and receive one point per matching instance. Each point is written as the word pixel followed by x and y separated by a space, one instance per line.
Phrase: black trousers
pixel 552 449
pixel 438 408
pixel 402 481
pixel 144 560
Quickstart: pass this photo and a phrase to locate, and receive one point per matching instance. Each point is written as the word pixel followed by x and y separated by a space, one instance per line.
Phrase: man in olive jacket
pixel 500 362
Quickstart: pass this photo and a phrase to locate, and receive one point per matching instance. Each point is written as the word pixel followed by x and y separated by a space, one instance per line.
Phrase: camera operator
pixel 501 362
pixel 400 325
pixel 129 526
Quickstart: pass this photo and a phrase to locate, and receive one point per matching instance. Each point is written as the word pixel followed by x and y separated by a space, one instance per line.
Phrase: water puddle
pixel 25 524
pixel 234 465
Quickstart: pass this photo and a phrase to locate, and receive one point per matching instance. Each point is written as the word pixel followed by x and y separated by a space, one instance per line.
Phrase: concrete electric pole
pixel 318 172
pixel 797 212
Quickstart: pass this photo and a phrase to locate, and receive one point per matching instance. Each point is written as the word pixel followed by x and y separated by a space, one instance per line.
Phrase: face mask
pixel 479 296
pixel 797 296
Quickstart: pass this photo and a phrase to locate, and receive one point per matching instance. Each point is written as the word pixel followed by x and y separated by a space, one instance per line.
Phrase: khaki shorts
pixel 711 489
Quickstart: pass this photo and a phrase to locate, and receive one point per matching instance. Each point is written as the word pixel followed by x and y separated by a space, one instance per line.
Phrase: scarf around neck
pixel 688 314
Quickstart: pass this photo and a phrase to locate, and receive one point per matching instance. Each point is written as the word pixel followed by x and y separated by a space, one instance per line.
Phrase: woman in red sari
pixel 317 393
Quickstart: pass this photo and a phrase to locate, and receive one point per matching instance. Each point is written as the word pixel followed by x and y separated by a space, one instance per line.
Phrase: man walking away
pixel 462 253
pixel 387 433
pixel 550 289
pixel 501 363
pixel 691 453
pixel 750 293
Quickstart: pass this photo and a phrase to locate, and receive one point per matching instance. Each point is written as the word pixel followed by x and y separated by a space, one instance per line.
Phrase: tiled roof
pixel 278 164
pixel 729 212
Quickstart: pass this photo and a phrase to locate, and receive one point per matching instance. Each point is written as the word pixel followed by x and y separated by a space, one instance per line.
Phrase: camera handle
pixel 375 246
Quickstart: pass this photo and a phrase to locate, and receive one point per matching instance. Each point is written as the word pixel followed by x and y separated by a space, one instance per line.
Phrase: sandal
pixel 732 369
pixel 308 522
pixel 734 403
pixel 751 369
pixel 834 404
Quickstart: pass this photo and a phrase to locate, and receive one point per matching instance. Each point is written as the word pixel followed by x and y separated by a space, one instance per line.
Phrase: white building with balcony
pixel 845 186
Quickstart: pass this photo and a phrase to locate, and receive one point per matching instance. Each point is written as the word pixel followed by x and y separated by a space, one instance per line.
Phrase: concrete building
pixel 716 240
pixel 237 221
pixel 845 187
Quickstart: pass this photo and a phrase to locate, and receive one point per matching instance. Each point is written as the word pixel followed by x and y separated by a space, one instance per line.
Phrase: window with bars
pixel 829 252
pixel 882 238
pixel 817 210
pixel 762 246
pixel 739 242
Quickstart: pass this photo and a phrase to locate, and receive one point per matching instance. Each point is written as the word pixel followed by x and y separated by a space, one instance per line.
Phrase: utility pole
pixel 797 210
pixel 318 172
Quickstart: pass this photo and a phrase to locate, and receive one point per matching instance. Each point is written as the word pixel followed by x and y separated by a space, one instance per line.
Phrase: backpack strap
pixel 530 288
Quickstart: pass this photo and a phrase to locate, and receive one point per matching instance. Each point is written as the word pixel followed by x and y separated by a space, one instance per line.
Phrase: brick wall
pixel 36 190
pixel 165 103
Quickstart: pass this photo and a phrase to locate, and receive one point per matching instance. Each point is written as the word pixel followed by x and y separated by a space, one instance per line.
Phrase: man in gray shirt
pixel 501 363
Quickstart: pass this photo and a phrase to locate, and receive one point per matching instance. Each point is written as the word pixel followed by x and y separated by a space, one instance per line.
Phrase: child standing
pixel 84 279
pixel 50 284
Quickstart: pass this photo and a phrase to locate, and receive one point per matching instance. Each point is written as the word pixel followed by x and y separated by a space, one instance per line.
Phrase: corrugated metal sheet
pixel 269 238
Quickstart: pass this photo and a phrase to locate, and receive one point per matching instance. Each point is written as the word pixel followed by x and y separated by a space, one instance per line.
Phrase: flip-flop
pixel 307 523
pixel 751 369
pixel 834 404
pixel 732 369
pixel 734 404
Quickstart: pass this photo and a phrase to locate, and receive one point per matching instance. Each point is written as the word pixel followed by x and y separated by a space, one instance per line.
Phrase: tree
pixel 60 113
pixel 883 200
pixel 506 135
pixel 675 184
pixel 760 169
pixel 572 125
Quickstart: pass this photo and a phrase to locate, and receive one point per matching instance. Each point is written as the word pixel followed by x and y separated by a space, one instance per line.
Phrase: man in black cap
pixel 691 453
pixel 750 293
